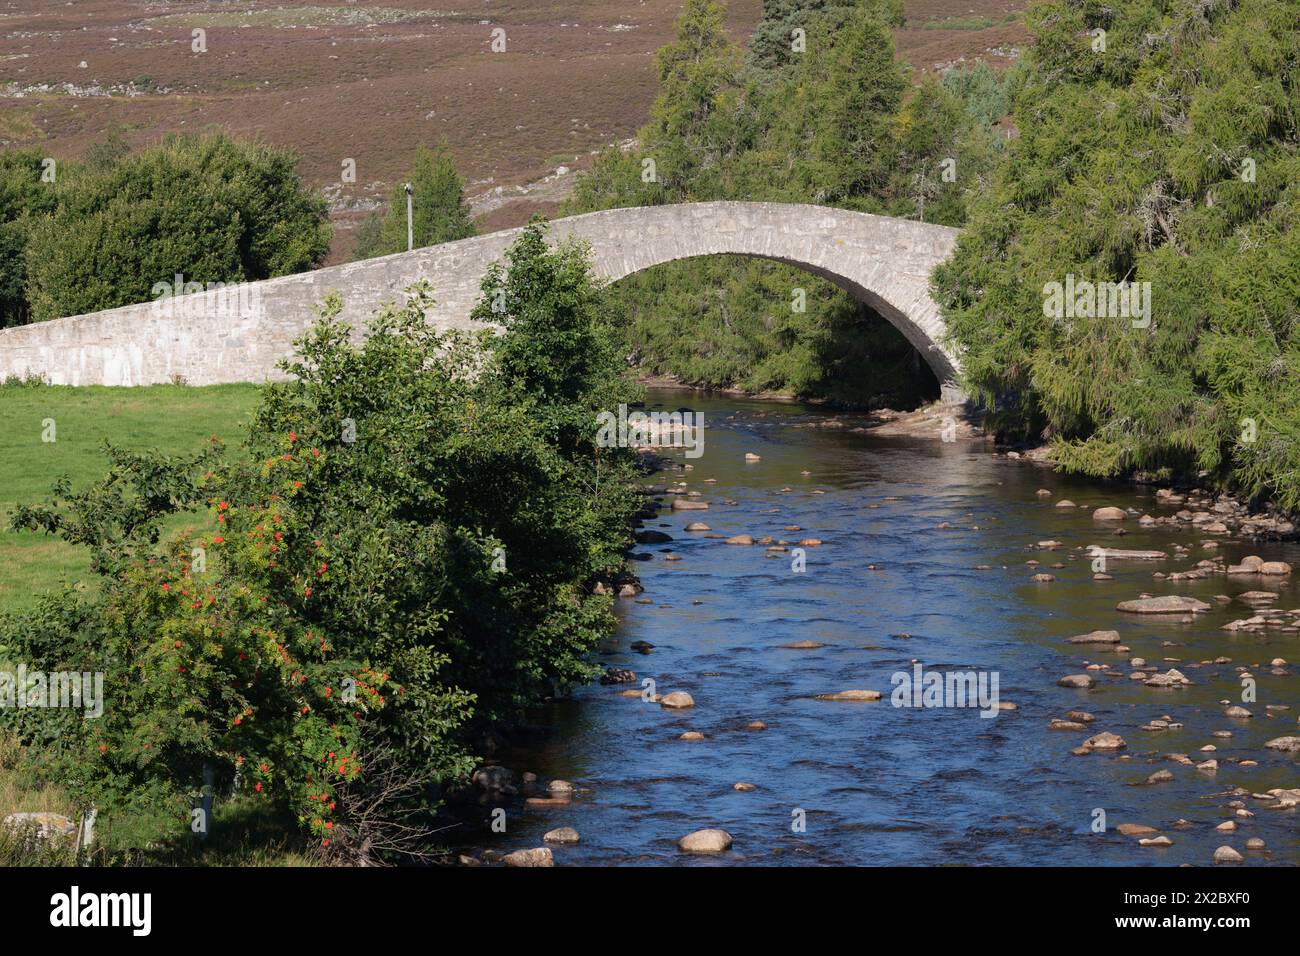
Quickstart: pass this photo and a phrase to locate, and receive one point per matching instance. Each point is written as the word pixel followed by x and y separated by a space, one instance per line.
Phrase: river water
pixel 875 784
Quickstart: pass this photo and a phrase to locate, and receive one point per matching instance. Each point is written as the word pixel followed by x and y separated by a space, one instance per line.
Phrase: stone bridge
pixel 238 334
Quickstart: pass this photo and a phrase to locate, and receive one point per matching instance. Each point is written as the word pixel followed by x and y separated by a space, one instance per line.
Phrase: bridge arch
pixel 210 337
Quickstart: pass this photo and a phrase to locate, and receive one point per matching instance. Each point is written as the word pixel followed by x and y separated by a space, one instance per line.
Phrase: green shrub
pixel 209 208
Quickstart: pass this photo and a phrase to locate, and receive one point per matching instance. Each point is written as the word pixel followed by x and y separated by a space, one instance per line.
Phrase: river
pixel 869 783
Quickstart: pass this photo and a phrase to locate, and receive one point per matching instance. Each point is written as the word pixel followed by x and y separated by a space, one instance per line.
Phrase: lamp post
pixel 410 227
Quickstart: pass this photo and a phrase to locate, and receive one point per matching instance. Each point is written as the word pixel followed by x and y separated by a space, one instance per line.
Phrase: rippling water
pixel 876 784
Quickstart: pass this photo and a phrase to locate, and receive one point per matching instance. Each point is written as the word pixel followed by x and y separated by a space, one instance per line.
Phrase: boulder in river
pixel 803 646
pixel 1058 724
pixel 851 695
pixel 1109 514
pixel 677 700
pixel 1135 829
pixel 741 539
pixel 1076 680
pixel 1105 741
pixel 565 835
pixel 1226 854
pixel 684 504
pixel 1285 744
pixel 705 841
pixel 495 780
pixel 539 856
pixel 1168 604
pixel 1124 554
pixel 698 526
pixel 1171 678
pixel 1096 637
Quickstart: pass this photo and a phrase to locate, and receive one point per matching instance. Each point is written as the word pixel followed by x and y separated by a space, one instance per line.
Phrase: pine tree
pixel 439 211
pixel 688 129
pixel 773 45
pixel 1158 144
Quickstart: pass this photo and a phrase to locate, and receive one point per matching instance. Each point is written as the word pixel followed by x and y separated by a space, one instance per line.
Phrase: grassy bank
pixel 173 419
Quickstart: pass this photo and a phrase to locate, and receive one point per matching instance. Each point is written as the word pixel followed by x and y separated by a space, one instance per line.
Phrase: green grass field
pixel 172 418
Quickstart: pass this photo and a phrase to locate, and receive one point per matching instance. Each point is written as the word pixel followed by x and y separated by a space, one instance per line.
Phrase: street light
pixel 410 228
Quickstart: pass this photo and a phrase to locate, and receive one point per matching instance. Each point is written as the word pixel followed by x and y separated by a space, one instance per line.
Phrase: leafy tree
pixel 24 195
pixel 207 207
pixel 401 556
pixel 1166 155
pixel 439 211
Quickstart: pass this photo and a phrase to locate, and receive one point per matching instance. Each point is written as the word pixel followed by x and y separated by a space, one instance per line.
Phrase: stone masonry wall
pixel 238 335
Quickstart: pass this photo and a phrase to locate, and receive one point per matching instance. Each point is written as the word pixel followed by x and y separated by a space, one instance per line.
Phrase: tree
pixel 24 195
pixel 362 585
pixel 687 137
pixel 829 125
pixel 210 208
pixel 1183 177
pixel 773 44
pixel 440 213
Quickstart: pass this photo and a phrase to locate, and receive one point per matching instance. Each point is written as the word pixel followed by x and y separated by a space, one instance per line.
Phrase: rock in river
pixel 1135 829
pixel 1096 637
pixel 705 841
pixel 678 699
pixel 1105 741
pixel 683 504
pixel 851 695
pixel 539 856
pixel 1076 680
pixel 565 835
pixel 1285 744
pixel 1226 854
pixel 1169 604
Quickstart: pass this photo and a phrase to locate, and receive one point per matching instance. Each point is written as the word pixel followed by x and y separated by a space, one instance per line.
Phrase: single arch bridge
pixel 238 336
